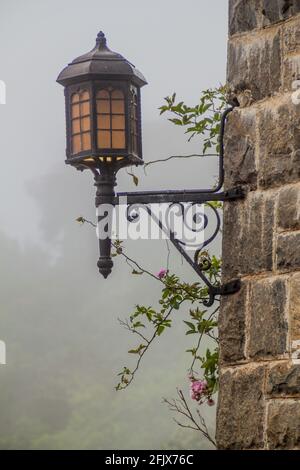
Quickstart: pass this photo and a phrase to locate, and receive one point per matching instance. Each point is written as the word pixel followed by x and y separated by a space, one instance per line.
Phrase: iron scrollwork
pixel 200 222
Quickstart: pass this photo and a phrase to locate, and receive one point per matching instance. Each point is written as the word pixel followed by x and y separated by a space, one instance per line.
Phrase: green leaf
pixel 190 325
pixel 138 350
pixel 135 178
pixel 138 273
pixel 160 329
pixel 138 324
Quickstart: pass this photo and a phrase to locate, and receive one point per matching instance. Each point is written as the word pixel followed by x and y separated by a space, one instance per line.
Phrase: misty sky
pixel 178 46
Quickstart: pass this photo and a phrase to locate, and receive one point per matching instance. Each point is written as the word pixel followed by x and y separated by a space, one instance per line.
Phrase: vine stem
pixel 148 341
pixel 200 339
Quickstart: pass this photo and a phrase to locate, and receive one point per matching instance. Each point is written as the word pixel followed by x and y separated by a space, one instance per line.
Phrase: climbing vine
pixel 149 323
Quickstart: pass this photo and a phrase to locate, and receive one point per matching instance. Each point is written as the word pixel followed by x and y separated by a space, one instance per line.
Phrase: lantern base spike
pixel 105 265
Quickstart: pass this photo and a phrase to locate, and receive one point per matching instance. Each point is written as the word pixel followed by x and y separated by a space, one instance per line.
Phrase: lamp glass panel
pixel 84 96
pixel 111 119
pixel 75 98
pixel 103 94
pixel 103 106
pixel 118 139
pixel 75 111
pixel 117 94
pixel 76 143
pixel 86 124
pixel 85 108
pixel 76 126
pixel 118 122
pixel 104 139
pixel 81 122
pixel 103 121
pixel 86 141
pixel 118 106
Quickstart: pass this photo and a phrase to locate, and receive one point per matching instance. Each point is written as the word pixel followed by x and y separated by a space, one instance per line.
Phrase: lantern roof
pixel 100 63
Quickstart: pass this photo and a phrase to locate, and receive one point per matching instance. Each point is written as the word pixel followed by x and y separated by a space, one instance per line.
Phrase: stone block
pixel 278 10
pixel 267 319
pixel 291 54
pixel 231 326
pixel 289 208
pixel 295 307
pixel 232 229
pixel 288 252
pixel 283 380
pixel 240 141
pixel 244 15
pixel 291 37
pixel 240 415
pixel 254 65
pixel 248 236
pixel 283 425
pixel 279 143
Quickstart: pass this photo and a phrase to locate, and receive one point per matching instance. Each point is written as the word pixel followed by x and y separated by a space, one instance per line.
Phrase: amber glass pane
pixel 103 94
pixel 84 95
pixel 76 126
pixel 118 107
pixel 103 106
pixel 75 98
pixel 85 124
pixel 118 139
pixel 117 94
pixel 104 139
pixel 75 111
pixel 85 108
pixel 103 121
pixel 76 143
pixel 118 122
pixel 86 141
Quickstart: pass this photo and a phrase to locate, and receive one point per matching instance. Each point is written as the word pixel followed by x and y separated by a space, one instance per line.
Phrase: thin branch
pixel 132 330
pixel 133 262
pixel 181 407
pixel 120 252
pixel 83 220
pixel 163 160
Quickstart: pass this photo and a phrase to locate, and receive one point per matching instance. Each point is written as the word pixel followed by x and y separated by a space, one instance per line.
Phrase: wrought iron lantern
pixel 103 122
pixel 103 116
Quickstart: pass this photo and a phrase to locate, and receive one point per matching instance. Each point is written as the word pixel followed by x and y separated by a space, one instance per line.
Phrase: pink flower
pixel 198 386
pixel 194 395
pixel 197 389
pixel 162 273
pixel 210 402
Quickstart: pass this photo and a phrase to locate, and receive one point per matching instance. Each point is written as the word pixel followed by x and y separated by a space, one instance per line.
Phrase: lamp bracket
pixel 141 201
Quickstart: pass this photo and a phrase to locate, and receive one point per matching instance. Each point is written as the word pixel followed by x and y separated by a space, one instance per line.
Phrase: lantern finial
pixel 101 39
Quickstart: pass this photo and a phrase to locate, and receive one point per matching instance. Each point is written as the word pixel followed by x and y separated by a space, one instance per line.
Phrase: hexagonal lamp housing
pixel 103 109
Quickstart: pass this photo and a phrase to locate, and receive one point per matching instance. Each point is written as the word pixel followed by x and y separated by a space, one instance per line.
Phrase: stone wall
pixel 259 399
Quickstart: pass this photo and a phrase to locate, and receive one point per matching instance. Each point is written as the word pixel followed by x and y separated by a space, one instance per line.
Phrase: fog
pixel 59 318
